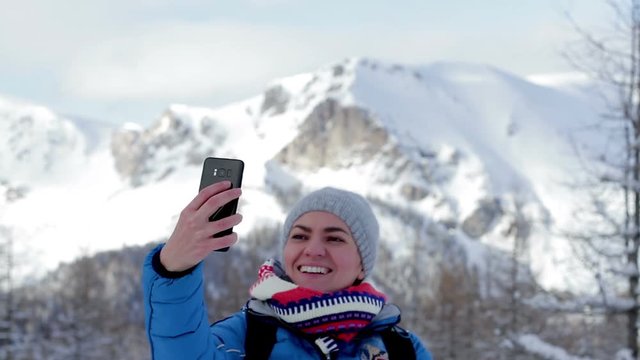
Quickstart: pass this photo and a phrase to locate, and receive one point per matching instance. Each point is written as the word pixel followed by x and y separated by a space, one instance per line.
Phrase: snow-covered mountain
pixel 466 156
pixel 35 143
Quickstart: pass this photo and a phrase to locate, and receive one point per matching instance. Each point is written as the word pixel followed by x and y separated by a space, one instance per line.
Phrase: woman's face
pixel 321 254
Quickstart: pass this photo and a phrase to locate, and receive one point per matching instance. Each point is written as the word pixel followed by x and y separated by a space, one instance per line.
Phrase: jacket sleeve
pixel 175 315
pixel 421 351
pixel 176 319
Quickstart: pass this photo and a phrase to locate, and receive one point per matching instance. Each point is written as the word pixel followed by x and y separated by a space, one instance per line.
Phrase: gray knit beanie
pixel 352 208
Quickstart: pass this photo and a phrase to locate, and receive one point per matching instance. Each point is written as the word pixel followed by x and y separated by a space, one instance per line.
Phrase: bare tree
pixel 6 293
pixel 515 288
pixel 608 240
pixel 76 316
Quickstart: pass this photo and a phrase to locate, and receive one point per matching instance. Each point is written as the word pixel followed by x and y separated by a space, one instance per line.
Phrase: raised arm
pixel 175 312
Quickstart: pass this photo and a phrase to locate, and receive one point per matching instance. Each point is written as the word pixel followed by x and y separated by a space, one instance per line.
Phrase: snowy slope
pixel 35 143
pixel 440 140
pixel 493 135
pixel 517 135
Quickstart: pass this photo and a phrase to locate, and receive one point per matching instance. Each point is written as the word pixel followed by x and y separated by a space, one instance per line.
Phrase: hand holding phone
pixel 220 169
pixel 191 240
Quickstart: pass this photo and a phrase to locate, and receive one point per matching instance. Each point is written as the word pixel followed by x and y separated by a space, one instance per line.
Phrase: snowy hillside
pixel 35 143
pixel 464 147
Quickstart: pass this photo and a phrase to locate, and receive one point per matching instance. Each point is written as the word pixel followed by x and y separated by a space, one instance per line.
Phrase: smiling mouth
pixel 314 270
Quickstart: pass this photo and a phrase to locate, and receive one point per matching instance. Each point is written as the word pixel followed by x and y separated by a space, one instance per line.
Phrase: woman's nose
pixel 314 247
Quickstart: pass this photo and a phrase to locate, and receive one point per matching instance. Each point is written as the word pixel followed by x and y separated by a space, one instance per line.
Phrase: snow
pixel 132 126
pixel 34 139
pixel 492 133
pixel 516 130
pixel 535 345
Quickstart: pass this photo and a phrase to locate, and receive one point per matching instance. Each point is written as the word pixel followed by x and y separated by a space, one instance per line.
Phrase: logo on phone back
pixel 222 173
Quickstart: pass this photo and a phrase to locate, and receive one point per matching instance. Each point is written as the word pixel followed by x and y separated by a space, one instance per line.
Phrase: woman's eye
pixel 334 239
pixel 298 236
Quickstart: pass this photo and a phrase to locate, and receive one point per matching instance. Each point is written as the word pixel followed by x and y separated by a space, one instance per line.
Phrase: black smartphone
pixel 219 169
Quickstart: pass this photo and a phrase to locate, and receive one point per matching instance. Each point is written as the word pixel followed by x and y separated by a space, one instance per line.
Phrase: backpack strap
pixel 260 337
pixel 398 343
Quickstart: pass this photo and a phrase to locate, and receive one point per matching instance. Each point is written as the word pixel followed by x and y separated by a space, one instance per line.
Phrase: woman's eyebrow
pixel 329 229
pixel 303 228
pixel 334 229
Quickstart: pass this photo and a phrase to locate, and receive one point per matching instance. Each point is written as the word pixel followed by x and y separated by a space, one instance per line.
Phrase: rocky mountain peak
pixel 146 155
pixel 34 141
pixel 334 135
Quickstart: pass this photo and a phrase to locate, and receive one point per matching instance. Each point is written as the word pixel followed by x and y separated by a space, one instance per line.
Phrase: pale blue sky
pixel 117 60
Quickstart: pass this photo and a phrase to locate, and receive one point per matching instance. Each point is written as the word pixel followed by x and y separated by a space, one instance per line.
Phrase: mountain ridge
pixel 431 139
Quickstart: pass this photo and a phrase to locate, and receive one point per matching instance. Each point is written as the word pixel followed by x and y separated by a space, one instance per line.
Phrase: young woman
pixel 313 304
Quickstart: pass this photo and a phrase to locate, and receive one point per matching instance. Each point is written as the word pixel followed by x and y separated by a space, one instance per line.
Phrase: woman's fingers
pixel 192 239
pixel 176 256
pixel 213 244
pixel 206 193
pixel 219 225
pixel 215 202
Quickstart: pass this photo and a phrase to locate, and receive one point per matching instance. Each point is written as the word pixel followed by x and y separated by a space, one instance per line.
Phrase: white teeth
pixel 314 269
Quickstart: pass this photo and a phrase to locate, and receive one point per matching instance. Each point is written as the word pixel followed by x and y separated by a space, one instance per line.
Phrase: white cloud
pixel 180 60
pixel 114 51
pixel 37 32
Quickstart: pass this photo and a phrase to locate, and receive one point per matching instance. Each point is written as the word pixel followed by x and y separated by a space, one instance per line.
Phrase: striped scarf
pixel 340 314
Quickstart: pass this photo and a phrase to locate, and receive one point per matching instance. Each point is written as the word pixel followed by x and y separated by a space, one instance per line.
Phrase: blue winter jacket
pixel 178 327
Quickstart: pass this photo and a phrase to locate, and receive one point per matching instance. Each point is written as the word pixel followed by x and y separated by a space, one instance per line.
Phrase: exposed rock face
pixel 128 151
pixel 483 218
pixel 275 102
pixel 334 136
pixel 413 192
pixel 148 155
pixel 13 193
